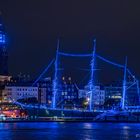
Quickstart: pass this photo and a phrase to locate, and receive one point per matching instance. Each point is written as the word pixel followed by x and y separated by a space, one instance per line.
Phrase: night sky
pixel 33 27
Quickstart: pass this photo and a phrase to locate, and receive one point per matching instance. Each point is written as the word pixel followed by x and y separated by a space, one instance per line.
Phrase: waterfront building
pixel 19 89
pixel 82 93
pixel 67 93
pixel 98 95
pixel 3 82
pixel 45 91
pixel 113 95
pixel 20 92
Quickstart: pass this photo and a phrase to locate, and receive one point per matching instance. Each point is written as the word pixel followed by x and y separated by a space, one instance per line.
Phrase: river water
pixel 69 131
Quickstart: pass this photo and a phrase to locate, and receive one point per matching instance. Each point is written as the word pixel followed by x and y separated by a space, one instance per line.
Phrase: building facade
pixel 98 99
pixel 16 93
pixel 113 95
pixel 45 91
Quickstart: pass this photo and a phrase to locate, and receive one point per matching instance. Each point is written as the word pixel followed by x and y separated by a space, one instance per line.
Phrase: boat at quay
pixel 69 115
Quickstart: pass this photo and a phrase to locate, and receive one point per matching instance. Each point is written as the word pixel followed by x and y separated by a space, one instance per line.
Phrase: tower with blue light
pixel 3 51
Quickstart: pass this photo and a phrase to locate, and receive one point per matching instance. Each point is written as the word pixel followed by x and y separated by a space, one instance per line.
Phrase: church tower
pixel 3 50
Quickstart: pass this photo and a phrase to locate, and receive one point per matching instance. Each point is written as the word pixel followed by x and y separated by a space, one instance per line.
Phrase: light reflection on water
pixel 69 131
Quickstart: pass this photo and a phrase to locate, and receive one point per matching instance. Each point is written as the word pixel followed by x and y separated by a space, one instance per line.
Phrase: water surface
pixel 69 131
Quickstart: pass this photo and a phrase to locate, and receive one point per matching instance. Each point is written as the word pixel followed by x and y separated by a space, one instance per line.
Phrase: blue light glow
pixel 55 81
pixel 110 62
pixel 2 39
pixel 91 81
pixel 41 75
pixel 138 90
pixel 124 85
pixel 74 55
